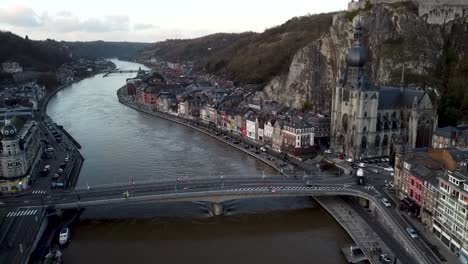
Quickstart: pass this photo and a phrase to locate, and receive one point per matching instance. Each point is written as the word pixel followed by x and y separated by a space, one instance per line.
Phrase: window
pixel 10 165
pixel 18 164
pixel 454 180
pixel 365 114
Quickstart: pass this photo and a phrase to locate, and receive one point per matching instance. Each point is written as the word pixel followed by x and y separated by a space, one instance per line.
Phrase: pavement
pixel 361 232
pixel 426 236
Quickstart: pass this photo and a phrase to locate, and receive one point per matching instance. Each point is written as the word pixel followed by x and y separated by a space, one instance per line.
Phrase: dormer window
pixel 454 180
pixel 406 165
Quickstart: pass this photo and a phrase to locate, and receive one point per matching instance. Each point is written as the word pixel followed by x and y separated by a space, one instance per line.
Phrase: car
pixel 390 169
pixel 67 159
pixel 385 259
pixel 263 149
pixel 54 185
pixel 47 167
pixel 64 236
pixel 328 151
pixel 50 149
pixel 386 202
pixel 362 165
pixel 60 170
pixel 350 160
pixel 412 232
pixel 63 165
pixel 56 176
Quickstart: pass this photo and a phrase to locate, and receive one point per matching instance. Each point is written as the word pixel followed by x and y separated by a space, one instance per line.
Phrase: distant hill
pixel 246 57
pixel 38 55
pixel 102 49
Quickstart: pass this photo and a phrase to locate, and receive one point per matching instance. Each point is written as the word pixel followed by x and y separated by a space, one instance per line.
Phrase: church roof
pixel 391 97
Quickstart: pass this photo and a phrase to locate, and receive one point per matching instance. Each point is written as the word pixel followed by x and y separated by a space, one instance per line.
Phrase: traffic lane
pixel 175 188
pixel 403 224
pixel 210 182
pixel 388 238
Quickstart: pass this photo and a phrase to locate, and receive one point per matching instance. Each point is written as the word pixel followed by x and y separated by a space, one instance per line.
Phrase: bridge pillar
pixel 217 209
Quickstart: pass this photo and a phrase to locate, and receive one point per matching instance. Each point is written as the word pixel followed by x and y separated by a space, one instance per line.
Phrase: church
pixel 369 121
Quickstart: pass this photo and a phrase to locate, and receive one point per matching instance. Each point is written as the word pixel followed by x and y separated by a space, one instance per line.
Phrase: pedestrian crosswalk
pixel 39 192
pixel 22 212
pixel 290 188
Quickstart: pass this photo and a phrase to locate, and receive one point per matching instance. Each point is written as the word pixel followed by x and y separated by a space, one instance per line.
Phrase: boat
pixel 64 236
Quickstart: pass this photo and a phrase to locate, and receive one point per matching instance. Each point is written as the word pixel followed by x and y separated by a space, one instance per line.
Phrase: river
pixel 120 143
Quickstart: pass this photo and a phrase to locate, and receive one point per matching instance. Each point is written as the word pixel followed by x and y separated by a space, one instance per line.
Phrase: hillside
pixel 37 55
pixel 104 50
pixel 246 57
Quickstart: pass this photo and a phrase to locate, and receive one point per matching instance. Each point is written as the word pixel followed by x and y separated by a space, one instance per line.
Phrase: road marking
pixel 34 211
pixel 9 214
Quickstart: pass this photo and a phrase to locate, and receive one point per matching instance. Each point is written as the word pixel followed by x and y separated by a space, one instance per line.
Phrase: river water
pixel 120 143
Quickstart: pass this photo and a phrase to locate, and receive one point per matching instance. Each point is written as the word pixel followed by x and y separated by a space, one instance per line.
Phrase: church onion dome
pixel 357 56
pixel 8 131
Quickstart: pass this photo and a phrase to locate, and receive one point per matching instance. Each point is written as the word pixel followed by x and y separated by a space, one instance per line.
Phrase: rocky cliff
pixel 397 38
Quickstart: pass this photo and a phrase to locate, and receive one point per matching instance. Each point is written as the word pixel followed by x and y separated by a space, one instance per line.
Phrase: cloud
pixel 143 26
pixel 20 16
pixel 62 21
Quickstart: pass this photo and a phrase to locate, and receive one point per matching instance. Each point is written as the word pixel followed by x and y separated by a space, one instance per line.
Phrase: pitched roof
pixel 391 97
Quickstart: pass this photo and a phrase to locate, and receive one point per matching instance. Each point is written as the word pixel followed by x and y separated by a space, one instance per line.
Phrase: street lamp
pixel 222 182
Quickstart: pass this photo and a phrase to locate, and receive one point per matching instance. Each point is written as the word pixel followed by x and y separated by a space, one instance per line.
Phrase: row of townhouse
pixel 268 123
pixel 432 184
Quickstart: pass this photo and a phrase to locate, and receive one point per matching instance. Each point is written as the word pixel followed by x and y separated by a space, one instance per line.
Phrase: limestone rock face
pixel 396 38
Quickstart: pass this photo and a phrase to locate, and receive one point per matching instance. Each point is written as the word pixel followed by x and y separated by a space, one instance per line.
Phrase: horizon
pixel 149 23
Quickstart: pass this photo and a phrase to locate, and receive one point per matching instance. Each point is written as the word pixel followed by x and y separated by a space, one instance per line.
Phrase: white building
pixel 19 153
pixel 251 125
pixel 451 213
pixel 11 67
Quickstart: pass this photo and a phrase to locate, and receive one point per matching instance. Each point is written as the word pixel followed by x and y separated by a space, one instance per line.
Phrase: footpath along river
pixel 120 143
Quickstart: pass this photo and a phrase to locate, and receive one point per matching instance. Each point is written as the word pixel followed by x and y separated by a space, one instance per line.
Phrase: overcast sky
pixel 150 20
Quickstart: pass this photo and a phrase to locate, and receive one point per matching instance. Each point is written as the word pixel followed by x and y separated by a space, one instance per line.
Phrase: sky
pixel 150 20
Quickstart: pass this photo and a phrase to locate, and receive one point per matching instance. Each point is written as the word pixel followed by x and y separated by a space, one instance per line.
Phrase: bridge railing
pixel 187 180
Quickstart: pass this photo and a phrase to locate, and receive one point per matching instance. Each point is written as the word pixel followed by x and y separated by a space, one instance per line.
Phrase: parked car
pixel 328 151
pixel 47 167
pixel 385 259
pixel 67 159
pixel 64 236
pixel 54 185
pixel 390 169
pixel 56 176
pixel 362 165
pixel 60 170
pixel 386 202
pixel 263 149
pixel 50 149
pixel 412 232
pixel 350 160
